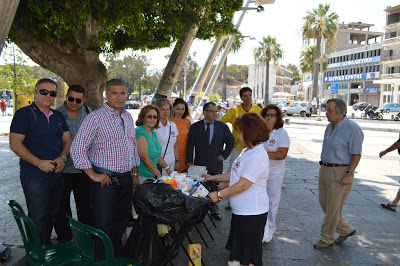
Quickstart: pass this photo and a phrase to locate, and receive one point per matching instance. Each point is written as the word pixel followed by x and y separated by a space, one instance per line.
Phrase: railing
pixel 390 58
pixel 392 40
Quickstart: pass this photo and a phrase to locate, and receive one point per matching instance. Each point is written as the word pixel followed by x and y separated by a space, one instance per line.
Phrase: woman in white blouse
pixel 247 192
pixel 166 135
pixel 277 147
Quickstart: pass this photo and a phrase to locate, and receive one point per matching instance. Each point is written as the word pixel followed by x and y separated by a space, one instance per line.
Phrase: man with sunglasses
pixel 105 149
pixel 40 137
pixel 74 112
pixel 207 138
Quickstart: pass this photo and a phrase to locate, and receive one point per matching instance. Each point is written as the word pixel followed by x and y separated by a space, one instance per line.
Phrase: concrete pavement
pixel 299 219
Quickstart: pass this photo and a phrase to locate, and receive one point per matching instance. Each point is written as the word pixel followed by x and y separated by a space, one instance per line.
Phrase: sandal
pixel 389 206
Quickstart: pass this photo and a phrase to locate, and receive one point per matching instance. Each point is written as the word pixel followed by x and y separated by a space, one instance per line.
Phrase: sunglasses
pixel 45 92
pixel 152 116
pixel 77 100
pixel 212 111
pixel 270 115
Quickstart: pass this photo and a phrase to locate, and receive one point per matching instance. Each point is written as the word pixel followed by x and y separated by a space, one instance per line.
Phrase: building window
pixel 377 68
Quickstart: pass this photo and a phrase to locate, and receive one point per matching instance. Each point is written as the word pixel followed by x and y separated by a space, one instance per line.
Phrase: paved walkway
pixel 299 219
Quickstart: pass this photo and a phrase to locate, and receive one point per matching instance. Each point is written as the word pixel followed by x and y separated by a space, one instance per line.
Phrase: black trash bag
pixel 143 244
pixel 4 253
pixel 169 205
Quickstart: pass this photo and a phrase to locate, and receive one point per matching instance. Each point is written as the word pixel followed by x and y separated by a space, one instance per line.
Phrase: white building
pixel 390 71
pixel 280 79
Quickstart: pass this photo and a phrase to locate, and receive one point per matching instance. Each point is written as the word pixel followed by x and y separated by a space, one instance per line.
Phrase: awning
pixel 282 94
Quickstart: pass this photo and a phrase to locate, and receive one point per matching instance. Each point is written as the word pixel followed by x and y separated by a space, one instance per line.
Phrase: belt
pixel 331 164
pixel 108 172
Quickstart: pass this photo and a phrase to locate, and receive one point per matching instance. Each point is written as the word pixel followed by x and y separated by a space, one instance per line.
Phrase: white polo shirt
pixel 254 166
pixel 162 137
pixel 279 138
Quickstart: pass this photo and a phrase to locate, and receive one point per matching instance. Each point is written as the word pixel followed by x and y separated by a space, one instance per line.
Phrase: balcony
pixel 391 42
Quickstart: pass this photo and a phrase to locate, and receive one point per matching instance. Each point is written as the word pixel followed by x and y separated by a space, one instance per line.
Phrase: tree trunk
pixel 224 81
pixel 7 12
pixel 175 63
pixel 77 65
pixel 316 75
pixel 60 92
pixel 266 93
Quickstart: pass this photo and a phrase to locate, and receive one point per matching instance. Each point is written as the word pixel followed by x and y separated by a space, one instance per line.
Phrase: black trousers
pixel 111 211
pixel 78 184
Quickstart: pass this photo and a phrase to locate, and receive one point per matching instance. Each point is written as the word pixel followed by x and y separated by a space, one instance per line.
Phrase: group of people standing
pixel 102 152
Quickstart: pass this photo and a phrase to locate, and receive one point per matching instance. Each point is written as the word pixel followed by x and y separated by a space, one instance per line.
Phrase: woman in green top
pixel 148 147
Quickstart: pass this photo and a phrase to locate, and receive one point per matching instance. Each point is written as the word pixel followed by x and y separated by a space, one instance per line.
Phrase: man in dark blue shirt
pixel 41 138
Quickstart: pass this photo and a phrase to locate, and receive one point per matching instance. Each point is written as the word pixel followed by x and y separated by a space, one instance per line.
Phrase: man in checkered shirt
pixel 105 148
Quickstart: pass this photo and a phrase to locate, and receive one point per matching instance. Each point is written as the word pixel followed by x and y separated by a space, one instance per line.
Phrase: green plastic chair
pixel 83 234
pixel 36 253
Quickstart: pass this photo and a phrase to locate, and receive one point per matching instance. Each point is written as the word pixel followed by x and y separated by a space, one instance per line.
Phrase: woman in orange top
pixel 181 111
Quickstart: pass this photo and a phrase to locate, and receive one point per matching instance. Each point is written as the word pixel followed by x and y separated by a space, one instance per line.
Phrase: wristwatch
pixel 219 195
pixel 62 156
pixel 350 173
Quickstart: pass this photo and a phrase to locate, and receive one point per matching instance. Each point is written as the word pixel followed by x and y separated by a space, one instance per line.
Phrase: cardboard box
pixel 194 251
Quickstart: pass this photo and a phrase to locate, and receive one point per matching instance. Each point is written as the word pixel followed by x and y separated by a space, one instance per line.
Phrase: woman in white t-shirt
pixel 247 192
pixel 166 135
pixel 277 147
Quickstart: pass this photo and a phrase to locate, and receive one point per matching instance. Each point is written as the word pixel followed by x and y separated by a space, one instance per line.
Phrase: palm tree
pixel 307 58
pixel 307 62
pixel 268 51
pixel 317 24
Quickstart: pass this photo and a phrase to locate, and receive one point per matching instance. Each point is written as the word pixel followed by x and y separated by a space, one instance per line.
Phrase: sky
pixel 282 20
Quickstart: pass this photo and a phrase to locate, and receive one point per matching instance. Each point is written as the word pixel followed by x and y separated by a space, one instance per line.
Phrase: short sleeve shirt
pixel 342 142
pixel 163 133
pixel 278 138
pixel 154 150
pixel 42 136
pixel 230 117
pixel 252 164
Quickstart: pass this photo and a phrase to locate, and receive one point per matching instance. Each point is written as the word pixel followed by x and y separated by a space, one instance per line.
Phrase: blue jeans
pixel 43 197
pixel 111 211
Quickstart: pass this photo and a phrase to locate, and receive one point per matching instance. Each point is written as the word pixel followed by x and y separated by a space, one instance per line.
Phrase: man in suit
pixel 212 142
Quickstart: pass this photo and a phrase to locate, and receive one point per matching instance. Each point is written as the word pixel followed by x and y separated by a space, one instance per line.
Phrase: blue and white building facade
pixel 354 70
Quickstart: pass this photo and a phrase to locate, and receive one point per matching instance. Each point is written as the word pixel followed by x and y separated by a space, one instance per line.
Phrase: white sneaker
pixel 234 263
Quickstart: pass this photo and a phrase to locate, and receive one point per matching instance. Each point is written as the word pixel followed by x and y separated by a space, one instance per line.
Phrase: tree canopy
pixel 67 36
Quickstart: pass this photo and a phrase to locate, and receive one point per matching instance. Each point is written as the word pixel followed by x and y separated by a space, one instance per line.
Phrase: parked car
pixel 132 105
pixel 360 106
pixel 299 108
pixel 390 107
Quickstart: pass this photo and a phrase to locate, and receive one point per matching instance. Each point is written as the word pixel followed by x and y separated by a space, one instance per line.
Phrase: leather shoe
pixel 341 239
pixel 321 245
pixel 216 216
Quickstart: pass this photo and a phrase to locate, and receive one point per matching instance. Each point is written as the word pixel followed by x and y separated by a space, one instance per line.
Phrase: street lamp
pixel 359 93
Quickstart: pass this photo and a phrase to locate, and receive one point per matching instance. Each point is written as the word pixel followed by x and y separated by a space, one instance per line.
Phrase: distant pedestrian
pixel 341 153
pixel 247 192
pixel 40 137
pixel 3 106
pixel 277 147
pixel 105 149
pixel 220 113
pixel 392 206
pixel 180 118
pixel 143 103
pixel 76 181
